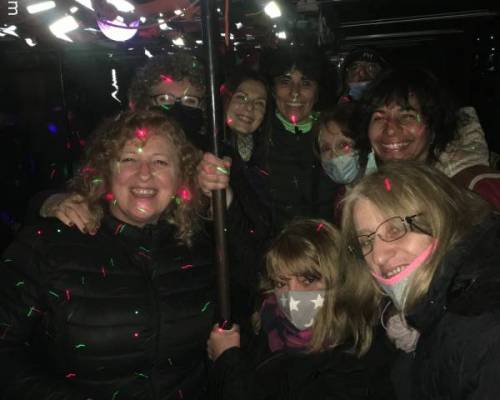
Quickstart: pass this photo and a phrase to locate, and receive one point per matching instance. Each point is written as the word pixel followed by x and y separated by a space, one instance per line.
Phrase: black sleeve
pixel 25 374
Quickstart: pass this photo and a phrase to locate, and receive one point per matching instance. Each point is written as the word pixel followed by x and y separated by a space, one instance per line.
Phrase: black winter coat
pixel 297 184
pixel 337 374
pixel 458 353
pixel 124 314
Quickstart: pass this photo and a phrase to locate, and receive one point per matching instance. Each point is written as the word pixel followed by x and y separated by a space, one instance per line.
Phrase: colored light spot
pixel 186 266
pixel 136 334
pixel 112 262
pixel 222 170
pixel 293 119
pixel 80 346
pixel 119 229
pixel 52 293
pixel 141 375
pixel 204 308
pixel 387 184
pixel 109 196
pixel 58 230
pixel 319 227
pixel 141 209
pixel 115 394
pixel 52 128
pixel 70 375
pixel 141 133
pixel 136 312
pixel 20 283
pixel 53 173
pixel 184 194
pixel 229 120
pixel 166 78
pixel 103 272
pixel 96 180
pixel 32 310
pixel 252 232
pixel 140 150
pixel 67 293
pixel 87 170
pixel 39 232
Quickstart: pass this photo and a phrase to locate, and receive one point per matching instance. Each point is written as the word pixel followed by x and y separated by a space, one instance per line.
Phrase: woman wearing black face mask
pixel 174 83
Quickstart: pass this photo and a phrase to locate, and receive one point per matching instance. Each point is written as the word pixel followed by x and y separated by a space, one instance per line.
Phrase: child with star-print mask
pixel 305 344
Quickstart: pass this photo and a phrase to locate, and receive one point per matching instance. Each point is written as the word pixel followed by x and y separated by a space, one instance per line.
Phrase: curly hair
pixel 95 176
pixel 177 66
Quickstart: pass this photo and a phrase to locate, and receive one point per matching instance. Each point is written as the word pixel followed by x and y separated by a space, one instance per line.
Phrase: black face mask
pixel 191 121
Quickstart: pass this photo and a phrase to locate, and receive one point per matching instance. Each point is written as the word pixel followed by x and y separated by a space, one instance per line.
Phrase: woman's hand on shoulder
pixel 221 340
pixel 72 210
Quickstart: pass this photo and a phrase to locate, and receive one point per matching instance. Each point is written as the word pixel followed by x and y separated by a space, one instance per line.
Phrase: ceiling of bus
pixel 335 23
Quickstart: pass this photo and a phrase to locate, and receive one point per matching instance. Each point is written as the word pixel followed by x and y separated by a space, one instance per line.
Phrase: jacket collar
pixel 457 274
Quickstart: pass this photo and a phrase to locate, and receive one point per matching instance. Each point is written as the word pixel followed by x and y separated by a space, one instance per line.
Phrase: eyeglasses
pixel 388 231
pixel 241 99
pixel 370 68
pixel 168 99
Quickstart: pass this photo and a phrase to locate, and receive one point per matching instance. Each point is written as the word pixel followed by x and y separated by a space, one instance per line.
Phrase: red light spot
pixel 166 78
pixel 68 294
pixel 387 184
pixel 109 196
pixel 320 226
pixel 136 334
pixel 141 133
pixel 71 375
pixel 39 232
pixel 184 194
pixel 293 118
pixel 229 120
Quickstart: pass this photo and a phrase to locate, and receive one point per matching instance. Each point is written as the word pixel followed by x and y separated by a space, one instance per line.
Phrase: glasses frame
pixel 409 226
pixel 176 100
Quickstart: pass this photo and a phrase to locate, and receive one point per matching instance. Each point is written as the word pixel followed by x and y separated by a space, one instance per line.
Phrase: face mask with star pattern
pixel 301 307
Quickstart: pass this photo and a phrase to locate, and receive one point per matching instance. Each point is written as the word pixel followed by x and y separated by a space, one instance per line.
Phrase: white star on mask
pixel 318 303
pixel 293 304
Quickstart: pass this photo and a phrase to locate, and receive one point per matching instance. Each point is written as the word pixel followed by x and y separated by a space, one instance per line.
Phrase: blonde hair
pixel 310 247
pixel 447 213
pixel 102 153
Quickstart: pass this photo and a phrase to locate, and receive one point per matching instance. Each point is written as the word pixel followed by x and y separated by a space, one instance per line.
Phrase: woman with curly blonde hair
pixel 124 313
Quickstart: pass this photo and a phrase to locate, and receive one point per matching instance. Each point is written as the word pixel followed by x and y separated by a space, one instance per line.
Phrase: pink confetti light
pixel 293 119
pixel 187 266
pixel 319 227
pixel 70 375
pixel 103 272
pixel 184 194
pixel 166 78
pixel 387 184
pixel 109 196
pixel 229 121
pixel 141 133
pixel 67 293
pixel 135 334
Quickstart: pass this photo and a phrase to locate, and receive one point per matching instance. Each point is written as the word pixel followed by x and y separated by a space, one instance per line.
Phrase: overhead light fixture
pixel 40 7
pixel 178 41
pixel 165 27
pixel 63 26
pixel 118 30
pixel 272 9
pixel 73 10
pixel 148 53
pixel 122 5
pixel 142 19
pixel 239 25
pixel 10 30
pixel 178 12
pixel 86 3
pixel 30 42
pixel 281 35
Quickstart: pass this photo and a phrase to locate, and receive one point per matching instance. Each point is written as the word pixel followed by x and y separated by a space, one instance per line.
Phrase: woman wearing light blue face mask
pixel 336 142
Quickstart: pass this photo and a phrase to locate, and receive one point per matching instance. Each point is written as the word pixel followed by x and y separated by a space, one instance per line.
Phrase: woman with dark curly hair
pixel 408 115
pixel 124 313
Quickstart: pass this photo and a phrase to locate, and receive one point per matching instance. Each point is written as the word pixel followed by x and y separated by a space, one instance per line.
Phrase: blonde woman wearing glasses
pixel 434 249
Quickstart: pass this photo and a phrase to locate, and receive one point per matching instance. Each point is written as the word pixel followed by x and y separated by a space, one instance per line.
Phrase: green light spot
pixel 54 294
pixel 80 346
pixel 205 307
pixel 20 283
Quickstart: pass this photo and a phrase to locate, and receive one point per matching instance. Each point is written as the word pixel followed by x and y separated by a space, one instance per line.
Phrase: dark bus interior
pixel 55 92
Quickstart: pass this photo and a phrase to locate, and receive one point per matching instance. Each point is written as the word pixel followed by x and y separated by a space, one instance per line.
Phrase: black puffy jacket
pixel 124 314
pixel 458 352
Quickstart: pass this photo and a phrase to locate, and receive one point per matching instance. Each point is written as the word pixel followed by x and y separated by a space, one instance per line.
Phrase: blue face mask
pixel 356 89
pixel 342 169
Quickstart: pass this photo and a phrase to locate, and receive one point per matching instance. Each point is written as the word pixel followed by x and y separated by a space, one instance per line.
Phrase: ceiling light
pixel 73 10
pixel 30 42
pixel 178 41
pixel 148 53
pixel 165 27
pixel 239 25
pixel 178 12
pixel 272 9
pixel 63 26
pixel 281 35
pixel 122 5
pixel 10 30
pixel 142 19
pixel 40 7
pixel 118 30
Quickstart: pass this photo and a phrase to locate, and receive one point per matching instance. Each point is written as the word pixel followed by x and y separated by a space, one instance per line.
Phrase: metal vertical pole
pixel 209 22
